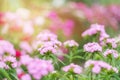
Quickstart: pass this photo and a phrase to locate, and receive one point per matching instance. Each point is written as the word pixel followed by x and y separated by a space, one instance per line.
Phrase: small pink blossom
pixel 114 53
pixel 70 43
pixel 46 35
pixel 112 42
pixel 25 59
pixel 25 46
pixel 96 69
pixel 6 47
pixel 97 66
pixel 44 50
pixel 2 64
pixel 26 77
pixel 12 60
pixel 94 29
pixel 75 68
pixel 92 47
pixel 42 69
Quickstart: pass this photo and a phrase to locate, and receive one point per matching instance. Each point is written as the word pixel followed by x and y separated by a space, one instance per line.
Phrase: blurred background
pixel 67 18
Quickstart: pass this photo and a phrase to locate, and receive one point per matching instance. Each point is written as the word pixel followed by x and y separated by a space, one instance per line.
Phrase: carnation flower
pixel 97 66
pixel 43 68
pixel 94 29
pixel 3 64
pixel 92 47
pixel 25 59
pixel 25 46
pixel 12 60
pixel 70 43
pixel 109 42
pixel 25 77
pixel 46 36
pixel 6 47
pixel 73 67
pixel 114 53
pixel 46 49
pixel 112 42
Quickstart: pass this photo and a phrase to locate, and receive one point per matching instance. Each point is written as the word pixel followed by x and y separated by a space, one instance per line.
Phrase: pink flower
pixel 112 42
pixel 25 46
pixel 103 36
pixel 2 64
pixel 92 47
pixel 46 35
pixel 96 69
pixel 75 68
pixel 114 53
pixel 26 77
pixel 12 60
pixel 94 29
pixel 43 68
pixel 46 49
pixel 28 28
pixel 6 47
pixel 70 43
pixel 25 59
pixel 98 66
pixel 49 46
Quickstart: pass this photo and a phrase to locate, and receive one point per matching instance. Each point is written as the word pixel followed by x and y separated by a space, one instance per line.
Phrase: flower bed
pixel 45 57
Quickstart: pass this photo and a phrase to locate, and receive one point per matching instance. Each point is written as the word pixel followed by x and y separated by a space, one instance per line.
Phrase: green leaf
pixel 14 77
pixel 4 73
pixel 79 57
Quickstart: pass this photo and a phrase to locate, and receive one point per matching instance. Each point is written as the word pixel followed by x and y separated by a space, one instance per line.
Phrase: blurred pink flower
pixel 46 35
pixel 43 68
pixel 25 59
pixel 46 49
pixel 94 29
pixel 6 47
pixel 114 53
pixel 92 47
pixel 25 46
pixel 112 42
pixel 70 43
pixel 75 68
pixel 97 66
pixel 25 77
pixel 96 69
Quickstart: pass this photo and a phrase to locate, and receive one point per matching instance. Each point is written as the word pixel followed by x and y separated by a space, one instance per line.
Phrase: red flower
pixel 18 53
pixel 20 75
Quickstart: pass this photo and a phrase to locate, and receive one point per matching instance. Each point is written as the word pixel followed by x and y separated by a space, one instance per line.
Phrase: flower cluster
pixel 97 66
pixel 112 42
pixel 114 53
pixel 41 57
pixel 92 47
pixel 7 55
pixel 26 77
pixel 43 67
pixel 6 47
pixel 38 68
pixel 73 67
pixel 46 35
pixel 94 29
pixel 47 42
pixel 70 43
pixel 25 47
